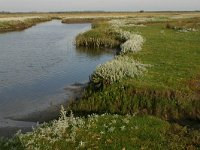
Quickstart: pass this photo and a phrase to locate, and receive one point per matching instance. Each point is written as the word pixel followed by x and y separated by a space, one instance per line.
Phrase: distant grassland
pixel 106 14
pixel 11 21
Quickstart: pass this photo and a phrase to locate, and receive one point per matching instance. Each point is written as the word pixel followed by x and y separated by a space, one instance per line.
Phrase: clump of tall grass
pixel 118 68
pixel 96 39
pixel 100 36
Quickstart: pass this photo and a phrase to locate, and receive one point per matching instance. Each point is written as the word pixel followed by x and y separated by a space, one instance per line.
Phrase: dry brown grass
pixel 107 14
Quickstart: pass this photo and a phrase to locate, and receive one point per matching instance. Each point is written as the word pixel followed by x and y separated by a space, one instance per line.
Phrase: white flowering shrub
pixel 123 35
pixel 62 129
pixel 116 69
pixel 117 23
pixel 134 44
pixel 70 131
pixel 121 66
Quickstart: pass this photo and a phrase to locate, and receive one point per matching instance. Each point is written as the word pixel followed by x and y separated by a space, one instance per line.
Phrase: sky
pixel 98 5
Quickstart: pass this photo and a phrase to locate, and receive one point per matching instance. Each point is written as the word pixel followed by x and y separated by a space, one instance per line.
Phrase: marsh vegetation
pixel 140 96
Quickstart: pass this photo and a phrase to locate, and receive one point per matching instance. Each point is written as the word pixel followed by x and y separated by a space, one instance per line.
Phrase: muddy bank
pixel 25 122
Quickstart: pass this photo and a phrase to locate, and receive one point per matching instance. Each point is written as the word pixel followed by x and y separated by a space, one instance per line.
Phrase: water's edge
pixel 25 122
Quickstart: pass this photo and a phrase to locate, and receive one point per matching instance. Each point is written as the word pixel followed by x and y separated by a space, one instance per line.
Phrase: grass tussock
pixel 100 36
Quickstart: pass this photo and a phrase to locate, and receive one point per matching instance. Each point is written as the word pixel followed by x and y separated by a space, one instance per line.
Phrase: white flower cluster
pixel 123 35
pixel 129 22
pixel 187 30
pixel 68 130
pixel 122 66
pixel 63 128
pixel 134 44
pixel 117 23
pixel 116 69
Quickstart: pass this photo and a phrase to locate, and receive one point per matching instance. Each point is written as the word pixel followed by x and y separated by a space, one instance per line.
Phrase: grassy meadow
pixel 147 97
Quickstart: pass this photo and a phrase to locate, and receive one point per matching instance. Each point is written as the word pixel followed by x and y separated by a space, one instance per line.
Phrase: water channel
pixel 37 64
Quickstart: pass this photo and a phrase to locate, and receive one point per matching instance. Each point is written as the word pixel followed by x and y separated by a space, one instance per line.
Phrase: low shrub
pixel 134 44
pixel 118 68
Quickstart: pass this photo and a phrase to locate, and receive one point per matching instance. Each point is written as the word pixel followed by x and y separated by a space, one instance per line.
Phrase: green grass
pixel 174 56
pixel 99 36
pixel 107 132
pixel 170 89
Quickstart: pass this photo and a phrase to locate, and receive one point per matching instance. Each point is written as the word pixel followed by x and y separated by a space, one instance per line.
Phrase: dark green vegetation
pixel 100 36
pixel 17 25
pixel 171 87
pixel 110 132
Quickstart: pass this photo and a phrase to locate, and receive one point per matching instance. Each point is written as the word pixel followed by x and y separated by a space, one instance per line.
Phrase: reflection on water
pixel 91 52
pixel 37 64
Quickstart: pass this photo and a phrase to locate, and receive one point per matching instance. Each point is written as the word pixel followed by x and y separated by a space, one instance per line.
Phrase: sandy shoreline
pixel 25 123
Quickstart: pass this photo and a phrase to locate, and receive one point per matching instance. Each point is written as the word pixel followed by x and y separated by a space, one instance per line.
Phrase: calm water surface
pixel 38 63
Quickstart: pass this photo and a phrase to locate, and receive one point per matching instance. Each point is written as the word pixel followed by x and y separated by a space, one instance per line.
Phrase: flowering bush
pixel 134 44
pixel 121 66
pixel 64 128
pixel 67 130
pixel 116 69
pixel 123 35
pixel 117 23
